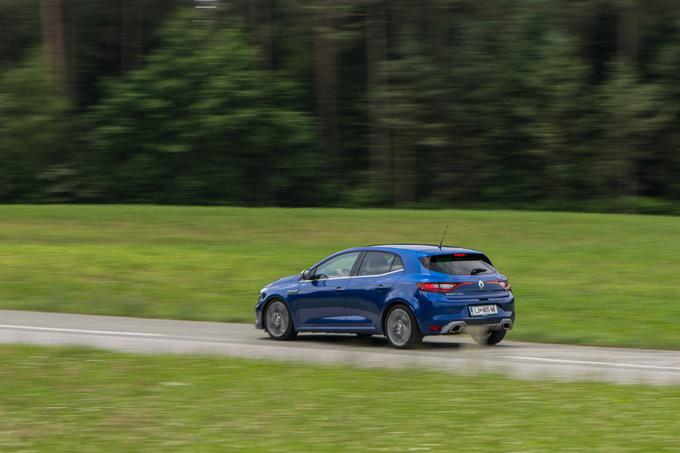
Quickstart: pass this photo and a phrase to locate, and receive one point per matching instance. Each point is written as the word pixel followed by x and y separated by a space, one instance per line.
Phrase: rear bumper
pixel 455 327
pixel 441 317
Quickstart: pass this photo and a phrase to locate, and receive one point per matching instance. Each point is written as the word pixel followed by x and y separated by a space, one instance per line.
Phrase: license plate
pixel 483 310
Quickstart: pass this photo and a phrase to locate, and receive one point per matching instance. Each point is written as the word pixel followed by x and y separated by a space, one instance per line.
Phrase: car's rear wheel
pixel 401 328
pixel 278 322
pixel 488 337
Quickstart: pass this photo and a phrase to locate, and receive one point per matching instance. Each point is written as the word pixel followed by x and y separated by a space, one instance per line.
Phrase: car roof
pixel 426 249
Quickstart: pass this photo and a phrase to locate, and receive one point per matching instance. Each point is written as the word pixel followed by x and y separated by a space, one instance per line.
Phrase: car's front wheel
pixel 278 322
pixel 401 328
pixel 488 337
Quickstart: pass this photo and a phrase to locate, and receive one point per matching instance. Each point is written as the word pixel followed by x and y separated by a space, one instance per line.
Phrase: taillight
pixel 502 283
pixel 436 287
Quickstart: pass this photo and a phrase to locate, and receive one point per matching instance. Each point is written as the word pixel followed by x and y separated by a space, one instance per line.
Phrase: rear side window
pixel 397 264
pixel 376 263
pixel 459 264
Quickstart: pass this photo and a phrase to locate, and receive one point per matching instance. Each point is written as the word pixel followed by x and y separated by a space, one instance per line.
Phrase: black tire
pixel 488 337
pixel 277 321
pixel 401 328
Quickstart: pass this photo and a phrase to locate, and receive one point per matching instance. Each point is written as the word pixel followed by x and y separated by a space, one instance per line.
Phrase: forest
pixel 536 104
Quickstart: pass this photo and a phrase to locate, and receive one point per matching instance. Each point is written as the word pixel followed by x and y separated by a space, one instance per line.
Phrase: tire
pixel 488 337
pixel 401 328
pixel 277 321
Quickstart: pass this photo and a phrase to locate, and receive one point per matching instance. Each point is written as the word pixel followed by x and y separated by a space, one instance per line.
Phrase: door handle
pixel 380 287
pixel 338 289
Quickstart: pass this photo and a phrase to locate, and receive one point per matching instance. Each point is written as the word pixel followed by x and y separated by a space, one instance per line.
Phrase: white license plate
pixel 483 310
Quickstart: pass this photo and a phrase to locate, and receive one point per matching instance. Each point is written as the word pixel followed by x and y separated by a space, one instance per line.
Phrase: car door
pixel 320 302
pixel 369 288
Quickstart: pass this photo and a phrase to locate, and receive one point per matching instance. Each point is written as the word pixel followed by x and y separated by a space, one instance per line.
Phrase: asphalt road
pixel 451 353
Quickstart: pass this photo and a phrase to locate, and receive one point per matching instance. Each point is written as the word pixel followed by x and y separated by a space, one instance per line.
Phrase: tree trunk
pixel 628 23
pixel 259 18
pixel 404 170
pixel 131 34
pixel 326 80
pixel 54 43
pixel 376 80
pixel 403 138
pixel 261 30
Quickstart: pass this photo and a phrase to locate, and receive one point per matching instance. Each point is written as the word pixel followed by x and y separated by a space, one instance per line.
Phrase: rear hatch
pixel 466 275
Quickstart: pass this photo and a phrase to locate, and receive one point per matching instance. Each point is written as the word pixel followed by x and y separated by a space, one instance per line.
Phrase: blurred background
pixel 504 106
pixel 549 104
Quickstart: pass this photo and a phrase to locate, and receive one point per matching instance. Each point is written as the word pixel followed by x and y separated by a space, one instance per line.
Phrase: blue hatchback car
pixel 403 291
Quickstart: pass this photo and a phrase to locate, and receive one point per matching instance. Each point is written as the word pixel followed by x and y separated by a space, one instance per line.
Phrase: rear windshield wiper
pixel 478 270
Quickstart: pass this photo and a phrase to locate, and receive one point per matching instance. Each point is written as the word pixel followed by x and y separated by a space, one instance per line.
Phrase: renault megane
pixel 403 291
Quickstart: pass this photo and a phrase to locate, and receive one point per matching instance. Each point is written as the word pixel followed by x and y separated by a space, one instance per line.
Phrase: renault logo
pixel 481 284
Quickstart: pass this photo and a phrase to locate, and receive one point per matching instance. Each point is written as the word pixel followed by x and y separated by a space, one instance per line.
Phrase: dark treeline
pixel 567 104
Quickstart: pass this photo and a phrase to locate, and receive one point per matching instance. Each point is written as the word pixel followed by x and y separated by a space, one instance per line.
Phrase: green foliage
pixel 550 110
pixel 33 122
pixel 635 113
pixel 199 123
pixel 19 30
pixel 441 103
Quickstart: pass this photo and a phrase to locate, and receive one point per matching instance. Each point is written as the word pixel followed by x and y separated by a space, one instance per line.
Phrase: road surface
pixel 451 353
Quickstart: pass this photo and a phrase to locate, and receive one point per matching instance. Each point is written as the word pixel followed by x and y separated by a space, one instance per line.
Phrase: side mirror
pixel 307 274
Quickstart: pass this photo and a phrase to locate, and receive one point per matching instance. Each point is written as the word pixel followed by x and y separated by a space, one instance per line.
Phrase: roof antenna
pixel 443 236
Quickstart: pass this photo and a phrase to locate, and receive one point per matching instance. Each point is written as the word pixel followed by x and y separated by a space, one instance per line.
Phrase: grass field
pixel 54 399
pixel 579 278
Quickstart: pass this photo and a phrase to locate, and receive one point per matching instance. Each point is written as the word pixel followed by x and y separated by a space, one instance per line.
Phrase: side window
pixel 397 264
pixel 340 266
pixel 376 263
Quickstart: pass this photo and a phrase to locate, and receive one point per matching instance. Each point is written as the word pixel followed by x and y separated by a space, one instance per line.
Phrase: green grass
pixel 54 399
pixel 580 278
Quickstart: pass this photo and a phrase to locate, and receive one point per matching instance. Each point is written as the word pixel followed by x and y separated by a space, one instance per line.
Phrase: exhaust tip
pixel 454 327
pixel 506 325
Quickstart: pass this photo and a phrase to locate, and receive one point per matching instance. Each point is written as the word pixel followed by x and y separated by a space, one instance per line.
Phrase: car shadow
pixel 379 341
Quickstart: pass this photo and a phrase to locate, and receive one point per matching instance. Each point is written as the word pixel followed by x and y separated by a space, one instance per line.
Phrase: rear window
pixel 459 264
